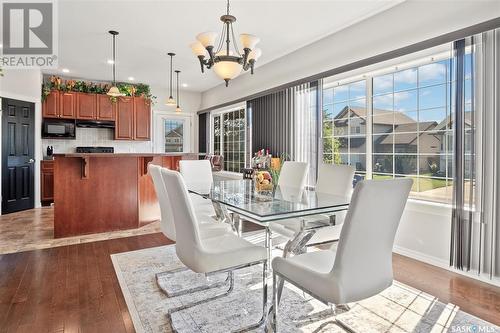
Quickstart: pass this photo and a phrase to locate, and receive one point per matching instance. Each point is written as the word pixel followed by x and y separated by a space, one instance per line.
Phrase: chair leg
pixel 189 305
pixel 274 316
pixel 263 319
pixel 189 290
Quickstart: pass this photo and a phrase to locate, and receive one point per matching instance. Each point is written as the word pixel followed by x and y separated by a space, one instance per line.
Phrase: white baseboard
pixel 438 262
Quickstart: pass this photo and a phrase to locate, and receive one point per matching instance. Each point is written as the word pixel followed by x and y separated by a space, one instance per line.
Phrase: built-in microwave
pixel 58 129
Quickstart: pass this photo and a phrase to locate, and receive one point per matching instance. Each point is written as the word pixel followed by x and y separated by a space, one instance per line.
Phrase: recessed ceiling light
pixel 1 45
pixel 131 78
pixel 65 70
pixel 110 61
pixel 184 85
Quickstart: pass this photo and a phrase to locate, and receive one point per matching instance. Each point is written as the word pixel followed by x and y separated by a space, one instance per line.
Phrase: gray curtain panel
pixel 273 123
pixel 476 121
pixel 286 122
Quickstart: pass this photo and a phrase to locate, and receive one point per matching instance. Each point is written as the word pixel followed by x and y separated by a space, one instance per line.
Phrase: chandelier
pixel 227 61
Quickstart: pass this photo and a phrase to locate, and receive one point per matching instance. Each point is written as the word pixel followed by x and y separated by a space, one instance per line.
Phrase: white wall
pixel 26 85
pixel 402 25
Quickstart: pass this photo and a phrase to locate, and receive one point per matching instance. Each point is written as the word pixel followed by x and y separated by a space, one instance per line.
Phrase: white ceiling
pixel 150 29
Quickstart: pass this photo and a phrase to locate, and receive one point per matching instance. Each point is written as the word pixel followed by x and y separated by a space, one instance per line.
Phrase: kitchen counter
pixel 188 155
pixel 105 192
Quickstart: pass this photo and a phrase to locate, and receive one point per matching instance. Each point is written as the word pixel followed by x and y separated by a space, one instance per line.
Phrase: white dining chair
pixel 224 253
pixel 207 226
pixel 332 179
pixel 293 174
pixel 167 225
pixel 361 266
pixel 198 171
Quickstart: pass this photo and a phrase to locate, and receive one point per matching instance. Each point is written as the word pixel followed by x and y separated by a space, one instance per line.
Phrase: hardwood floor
pixel 74 288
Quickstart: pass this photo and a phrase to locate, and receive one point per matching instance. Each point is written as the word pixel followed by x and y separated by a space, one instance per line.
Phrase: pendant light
pixel 178 108
pixel 171 101
pixel 114 91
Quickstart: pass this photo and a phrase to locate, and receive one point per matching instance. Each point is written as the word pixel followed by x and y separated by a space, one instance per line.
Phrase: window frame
pixel 368 76
pixel 220 113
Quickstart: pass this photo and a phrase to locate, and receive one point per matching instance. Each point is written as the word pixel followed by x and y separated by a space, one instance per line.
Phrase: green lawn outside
pixel 426 184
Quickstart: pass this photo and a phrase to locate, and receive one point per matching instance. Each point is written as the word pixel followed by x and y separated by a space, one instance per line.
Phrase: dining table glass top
pixel 283 202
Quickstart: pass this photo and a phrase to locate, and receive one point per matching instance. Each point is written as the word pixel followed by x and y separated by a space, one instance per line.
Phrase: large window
pixel 344 125
pixel 411 125
pixel 228 133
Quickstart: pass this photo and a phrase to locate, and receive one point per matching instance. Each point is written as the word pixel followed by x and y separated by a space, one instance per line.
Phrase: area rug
pixel 399 308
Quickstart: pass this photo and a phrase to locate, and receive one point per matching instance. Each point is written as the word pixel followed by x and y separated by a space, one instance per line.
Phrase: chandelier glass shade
pixel 114 91
pixel 225 55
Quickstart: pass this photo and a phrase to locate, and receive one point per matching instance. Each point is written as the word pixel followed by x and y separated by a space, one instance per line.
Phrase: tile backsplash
pixel 96 137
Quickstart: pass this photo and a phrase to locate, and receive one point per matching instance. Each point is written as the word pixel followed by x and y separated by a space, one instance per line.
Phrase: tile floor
pixel 33 229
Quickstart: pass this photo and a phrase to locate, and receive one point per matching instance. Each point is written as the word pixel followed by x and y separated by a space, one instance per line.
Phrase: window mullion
pixel 369 129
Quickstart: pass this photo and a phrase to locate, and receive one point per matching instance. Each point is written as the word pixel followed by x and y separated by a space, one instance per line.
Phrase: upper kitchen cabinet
pixel 142 119
pixel 124 126
pixel 67 105
pixel 50 107
pixel 106 109
pixel 86 106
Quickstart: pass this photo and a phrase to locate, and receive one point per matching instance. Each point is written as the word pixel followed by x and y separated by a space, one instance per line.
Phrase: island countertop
pixel 127 154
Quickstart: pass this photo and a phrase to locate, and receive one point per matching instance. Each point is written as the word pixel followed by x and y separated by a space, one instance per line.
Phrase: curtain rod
pixel 435 41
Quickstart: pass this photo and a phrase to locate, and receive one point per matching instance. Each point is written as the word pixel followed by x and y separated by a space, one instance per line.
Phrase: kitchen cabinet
pixel 133 119
pixel 132 115
pixel 142 119
pixel 67 105
pixel 50 106
pixel 106 109
pixel 47 182
pixel 124 126
pixel 86 106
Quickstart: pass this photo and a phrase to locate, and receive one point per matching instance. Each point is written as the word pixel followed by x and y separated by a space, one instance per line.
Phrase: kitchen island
pixel 106 192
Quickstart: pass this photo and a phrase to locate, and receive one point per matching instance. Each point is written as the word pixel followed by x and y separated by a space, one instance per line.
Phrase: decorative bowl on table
pixel 263 186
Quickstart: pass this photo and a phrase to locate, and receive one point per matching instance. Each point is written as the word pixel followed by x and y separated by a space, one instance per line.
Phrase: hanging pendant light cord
pixel 178 96
pixel 114 60
pixel 171 61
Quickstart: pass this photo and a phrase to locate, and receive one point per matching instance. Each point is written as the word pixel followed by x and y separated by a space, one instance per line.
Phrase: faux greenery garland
pixel 56 83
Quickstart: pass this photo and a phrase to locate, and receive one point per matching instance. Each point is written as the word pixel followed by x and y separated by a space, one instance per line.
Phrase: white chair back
pixel 167 220
pixel 196 170
pixel 363 262
pixel 188 241
pixel 335 179
pixel 293 174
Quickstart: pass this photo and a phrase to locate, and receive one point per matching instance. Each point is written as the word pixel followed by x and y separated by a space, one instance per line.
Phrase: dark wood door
pixel 67 105
pixel 142 119
pixel 50 107
pixel 18 159
pixel 105 108
pixel 86 106
pixel 124 127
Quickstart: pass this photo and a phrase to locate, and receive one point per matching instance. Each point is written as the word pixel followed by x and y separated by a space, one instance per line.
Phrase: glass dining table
pixel 237 200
